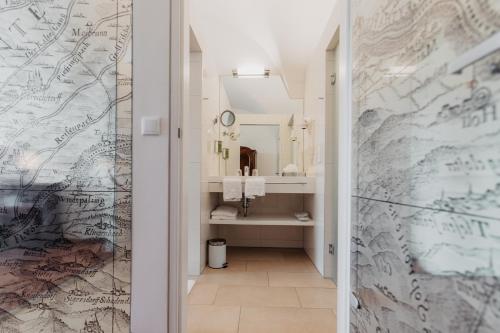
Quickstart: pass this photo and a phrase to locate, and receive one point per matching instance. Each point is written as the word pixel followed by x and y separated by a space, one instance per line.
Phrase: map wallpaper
pixel 426 186
pixel 65 165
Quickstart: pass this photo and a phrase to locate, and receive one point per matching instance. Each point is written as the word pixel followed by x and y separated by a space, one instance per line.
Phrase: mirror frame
pixel 222 120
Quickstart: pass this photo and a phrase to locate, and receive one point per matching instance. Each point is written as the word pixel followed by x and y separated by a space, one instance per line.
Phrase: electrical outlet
pixel 331 249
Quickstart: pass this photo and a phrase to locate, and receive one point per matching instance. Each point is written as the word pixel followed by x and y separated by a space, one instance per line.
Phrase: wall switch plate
pixel 151 126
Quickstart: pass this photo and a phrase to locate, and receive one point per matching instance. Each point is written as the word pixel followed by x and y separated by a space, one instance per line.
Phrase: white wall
pixel 210 130
pixel 213 100
pixel 318 162
pixel 225 104
pixel 150 168
pixel 192 163
pixel 263 236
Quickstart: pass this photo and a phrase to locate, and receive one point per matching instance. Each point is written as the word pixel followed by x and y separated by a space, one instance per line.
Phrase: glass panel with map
pixel 426 226
pixel 65 165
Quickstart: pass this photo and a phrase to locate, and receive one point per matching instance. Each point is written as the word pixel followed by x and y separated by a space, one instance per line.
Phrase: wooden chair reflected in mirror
pixel 248 157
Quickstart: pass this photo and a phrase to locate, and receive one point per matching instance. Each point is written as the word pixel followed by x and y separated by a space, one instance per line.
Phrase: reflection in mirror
pixel 260 148
pixel 263 134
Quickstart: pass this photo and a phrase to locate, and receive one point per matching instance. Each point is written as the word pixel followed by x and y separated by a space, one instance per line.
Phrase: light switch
pixel 151 126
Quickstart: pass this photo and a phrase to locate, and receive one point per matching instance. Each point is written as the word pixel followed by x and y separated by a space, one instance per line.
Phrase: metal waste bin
pixel 217 253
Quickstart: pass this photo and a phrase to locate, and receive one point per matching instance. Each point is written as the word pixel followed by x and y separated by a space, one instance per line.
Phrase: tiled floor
pixel 263 290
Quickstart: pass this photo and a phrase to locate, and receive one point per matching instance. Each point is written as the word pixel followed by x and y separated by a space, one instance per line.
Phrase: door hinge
pixel 331 249
pixel 333 79
pixel 179 132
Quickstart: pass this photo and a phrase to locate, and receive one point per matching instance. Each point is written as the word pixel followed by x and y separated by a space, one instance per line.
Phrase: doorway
pixel 278 265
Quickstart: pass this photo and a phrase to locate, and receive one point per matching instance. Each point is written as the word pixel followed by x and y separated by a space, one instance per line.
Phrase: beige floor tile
pixel 257 296
pixel 203 293
pixel 292 266
pixel 258 279
pixel 264 290
pixel 304 280
pixel 233 266
pixel 286 320
pixel 318 298
pixel 213 319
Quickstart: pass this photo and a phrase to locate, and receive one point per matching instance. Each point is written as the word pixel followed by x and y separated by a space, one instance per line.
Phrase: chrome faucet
pixel 245 203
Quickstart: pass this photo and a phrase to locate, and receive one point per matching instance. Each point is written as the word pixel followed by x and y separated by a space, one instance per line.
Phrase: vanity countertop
pixel 270 179
pixel 274 184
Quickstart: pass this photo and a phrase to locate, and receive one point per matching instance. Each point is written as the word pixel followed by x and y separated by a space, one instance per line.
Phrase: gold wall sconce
pixel 225 153
pixel 218 146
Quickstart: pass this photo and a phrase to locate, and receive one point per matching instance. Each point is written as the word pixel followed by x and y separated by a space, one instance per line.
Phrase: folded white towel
pixel 291 168
pixel 225 211
pixel 302 216
pixel 232 188
pixel 255 187
pixel 224 218
pixel 224 215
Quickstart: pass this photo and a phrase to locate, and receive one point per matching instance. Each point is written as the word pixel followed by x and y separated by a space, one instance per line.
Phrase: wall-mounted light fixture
pixel 225 153
pixel 251 74
pixel 218 146
pixel 231 134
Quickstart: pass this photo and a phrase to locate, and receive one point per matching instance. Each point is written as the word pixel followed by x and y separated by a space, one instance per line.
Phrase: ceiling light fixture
pixel 240 73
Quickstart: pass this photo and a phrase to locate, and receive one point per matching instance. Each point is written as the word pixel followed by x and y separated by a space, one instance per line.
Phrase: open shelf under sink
pixel 265 219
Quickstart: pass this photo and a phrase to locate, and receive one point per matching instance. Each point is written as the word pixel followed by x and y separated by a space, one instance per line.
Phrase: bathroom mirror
pixel 264 134
pixel 227 118
pixel 260 148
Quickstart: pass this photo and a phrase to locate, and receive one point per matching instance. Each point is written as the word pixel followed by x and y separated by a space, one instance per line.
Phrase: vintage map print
pixel 65 165
pixel 426 203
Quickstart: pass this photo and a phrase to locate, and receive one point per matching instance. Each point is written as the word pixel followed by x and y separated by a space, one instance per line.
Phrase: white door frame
pixel 177 240
pixel 345 183
pixel 150 167
pixel 177 258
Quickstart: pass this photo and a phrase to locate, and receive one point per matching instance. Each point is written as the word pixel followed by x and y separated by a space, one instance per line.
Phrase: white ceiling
pixel 260 96
pixel 280 35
